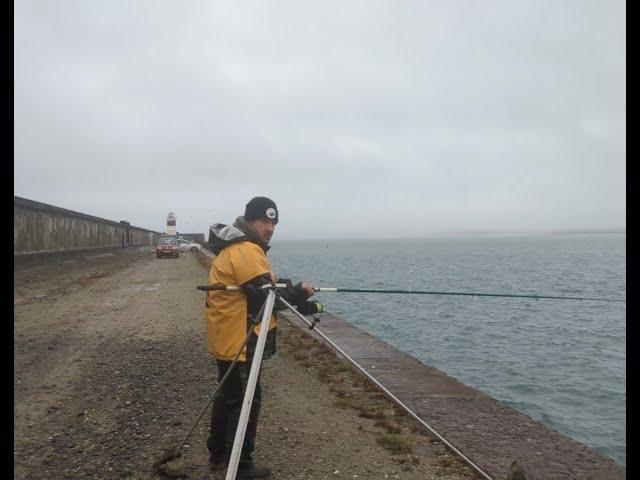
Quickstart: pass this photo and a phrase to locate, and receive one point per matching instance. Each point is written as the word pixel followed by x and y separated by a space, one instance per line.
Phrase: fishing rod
pixel 422 292
pixel 469 294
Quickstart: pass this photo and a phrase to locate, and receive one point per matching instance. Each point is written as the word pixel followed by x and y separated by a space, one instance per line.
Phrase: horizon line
pixel 576 231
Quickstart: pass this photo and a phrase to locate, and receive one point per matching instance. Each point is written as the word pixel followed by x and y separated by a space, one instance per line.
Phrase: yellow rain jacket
pixel 226 311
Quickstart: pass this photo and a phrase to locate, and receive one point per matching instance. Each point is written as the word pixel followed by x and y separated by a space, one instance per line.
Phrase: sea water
pixel 562 362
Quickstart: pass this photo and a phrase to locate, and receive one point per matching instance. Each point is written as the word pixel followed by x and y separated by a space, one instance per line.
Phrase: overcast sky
pixel 360 118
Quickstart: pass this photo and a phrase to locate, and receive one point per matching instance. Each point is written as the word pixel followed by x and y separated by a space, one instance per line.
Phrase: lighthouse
pixel 171 224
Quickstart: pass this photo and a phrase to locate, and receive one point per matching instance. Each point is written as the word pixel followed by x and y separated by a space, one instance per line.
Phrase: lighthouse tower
pixel 171 224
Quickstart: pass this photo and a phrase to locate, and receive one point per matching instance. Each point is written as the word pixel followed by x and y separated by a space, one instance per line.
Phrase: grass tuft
pixel 347 402
pixel 340 392
pixel 369 413
pixel 399 412
pixel 388 426
pixel 395 443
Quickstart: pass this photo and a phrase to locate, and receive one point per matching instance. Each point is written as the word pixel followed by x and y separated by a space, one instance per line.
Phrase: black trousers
pixel 225 413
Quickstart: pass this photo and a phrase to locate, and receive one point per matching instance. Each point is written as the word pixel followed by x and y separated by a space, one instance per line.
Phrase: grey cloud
pixel 364 118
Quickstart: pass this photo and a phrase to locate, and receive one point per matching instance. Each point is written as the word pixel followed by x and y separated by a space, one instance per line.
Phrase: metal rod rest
pixel 386 391
pixel 232 469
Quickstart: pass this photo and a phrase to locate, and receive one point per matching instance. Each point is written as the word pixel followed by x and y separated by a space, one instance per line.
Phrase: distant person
pixel 241 260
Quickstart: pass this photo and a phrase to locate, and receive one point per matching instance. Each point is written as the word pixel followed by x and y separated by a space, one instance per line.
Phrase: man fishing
pixel 241 260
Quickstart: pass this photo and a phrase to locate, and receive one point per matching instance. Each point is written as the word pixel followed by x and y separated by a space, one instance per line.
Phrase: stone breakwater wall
pixel 39 228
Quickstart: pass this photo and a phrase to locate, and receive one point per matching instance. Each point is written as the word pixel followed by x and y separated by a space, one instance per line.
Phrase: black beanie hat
pixel 261 207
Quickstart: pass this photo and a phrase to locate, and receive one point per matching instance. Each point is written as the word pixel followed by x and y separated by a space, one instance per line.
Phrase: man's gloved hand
pixel 307 288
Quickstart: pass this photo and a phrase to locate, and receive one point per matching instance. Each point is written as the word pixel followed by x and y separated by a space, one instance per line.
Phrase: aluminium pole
pixel 232 469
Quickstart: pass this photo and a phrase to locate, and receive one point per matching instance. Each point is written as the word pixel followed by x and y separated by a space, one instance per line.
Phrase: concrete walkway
pixel 488 432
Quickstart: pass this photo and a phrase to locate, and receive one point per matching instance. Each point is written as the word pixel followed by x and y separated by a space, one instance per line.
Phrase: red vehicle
pixel 167 247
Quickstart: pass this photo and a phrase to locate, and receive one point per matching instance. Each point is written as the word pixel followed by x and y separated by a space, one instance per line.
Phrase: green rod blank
pixel 468 294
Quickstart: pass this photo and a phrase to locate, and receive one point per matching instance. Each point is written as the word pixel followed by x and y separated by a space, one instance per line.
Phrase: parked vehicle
pixel 167 247
pixel 187 245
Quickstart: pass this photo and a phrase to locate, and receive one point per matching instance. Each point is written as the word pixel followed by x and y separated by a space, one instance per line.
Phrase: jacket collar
pixel 221 236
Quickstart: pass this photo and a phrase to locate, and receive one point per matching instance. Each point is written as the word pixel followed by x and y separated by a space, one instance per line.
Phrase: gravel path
pixel 111 369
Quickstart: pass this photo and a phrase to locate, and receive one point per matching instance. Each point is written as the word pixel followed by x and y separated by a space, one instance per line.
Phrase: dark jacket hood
pixel 221 235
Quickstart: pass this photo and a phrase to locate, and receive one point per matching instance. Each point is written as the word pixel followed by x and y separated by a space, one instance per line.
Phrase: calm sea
pixel 561 362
